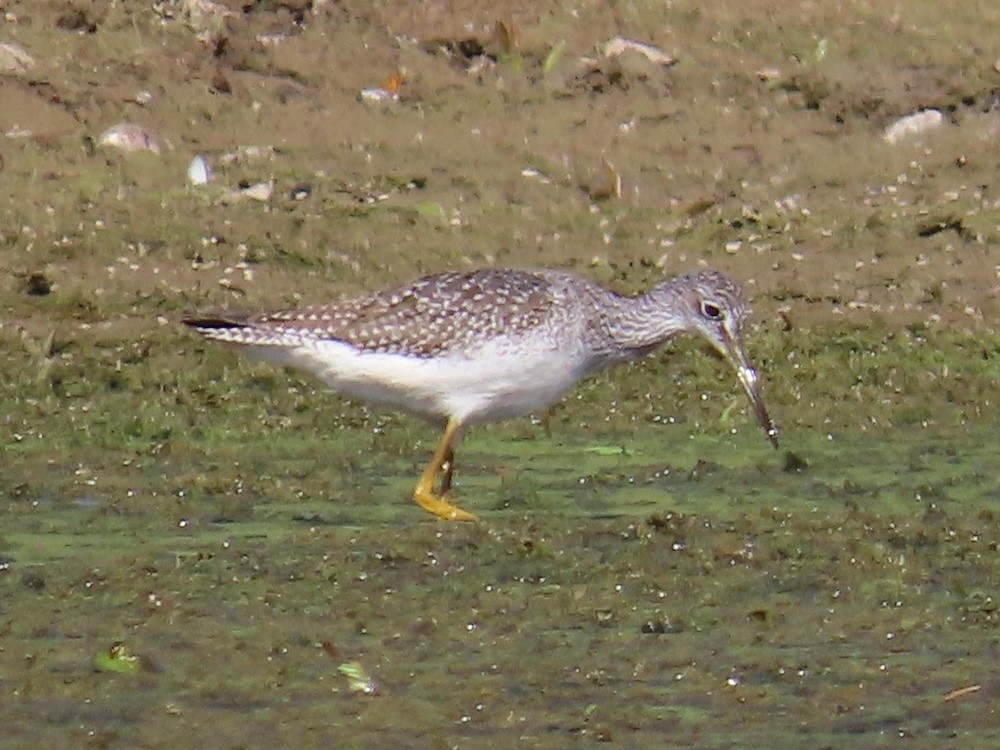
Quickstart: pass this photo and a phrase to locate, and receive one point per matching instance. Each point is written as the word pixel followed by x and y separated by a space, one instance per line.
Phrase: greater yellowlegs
pixel 484 345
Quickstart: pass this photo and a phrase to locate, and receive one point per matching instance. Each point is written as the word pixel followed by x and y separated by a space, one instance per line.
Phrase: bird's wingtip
pixel 214 322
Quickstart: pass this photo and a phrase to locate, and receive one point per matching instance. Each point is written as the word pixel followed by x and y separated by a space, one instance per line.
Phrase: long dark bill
pixel 750 380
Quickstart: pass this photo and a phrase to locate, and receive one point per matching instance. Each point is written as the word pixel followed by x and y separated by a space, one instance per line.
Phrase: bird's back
pixel 430 317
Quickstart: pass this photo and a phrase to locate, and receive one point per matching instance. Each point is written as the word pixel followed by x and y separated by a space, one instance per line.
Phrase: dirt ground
pixel 759 150
pixel 357 144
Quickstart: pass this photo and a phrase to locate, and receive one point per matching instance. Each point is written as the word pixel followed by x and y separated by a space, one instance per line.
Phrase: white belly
pixel 495 382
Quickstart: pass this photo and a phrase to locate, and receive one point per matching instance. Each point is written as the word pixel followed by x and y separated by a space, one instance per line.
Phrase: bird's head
pixel 715 306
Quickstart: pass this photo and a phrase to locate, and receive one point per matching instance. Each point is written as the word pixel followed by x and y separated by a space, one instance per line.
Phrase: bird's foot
pixel 441 508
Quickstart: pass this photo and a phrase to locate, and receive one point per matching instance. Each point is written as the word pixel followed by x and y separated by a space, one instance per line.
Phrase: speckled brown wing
pixel 429 317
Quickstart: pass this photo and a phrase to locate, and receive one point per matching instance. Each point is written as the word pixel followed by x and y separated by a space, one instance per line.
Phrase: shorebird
pixel 476 346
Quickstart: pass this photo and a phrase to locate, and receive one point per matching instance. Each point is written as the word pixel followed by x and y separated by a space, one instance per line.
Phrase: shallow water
pixel 728 595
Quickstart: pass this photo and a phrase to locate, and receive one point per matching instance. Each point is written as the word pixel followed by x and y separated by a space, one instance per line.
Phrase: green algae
pixel 645 562
pixel 629 576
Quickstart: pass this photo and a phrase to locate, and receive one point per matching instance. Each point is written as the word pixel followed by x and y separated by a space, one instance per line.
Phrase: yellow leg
pixel 447 469
pixel 424 492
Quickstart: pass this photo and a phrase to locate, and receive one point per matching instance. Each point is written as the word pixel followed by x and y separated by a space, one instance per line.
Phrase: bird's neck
pixel 640 324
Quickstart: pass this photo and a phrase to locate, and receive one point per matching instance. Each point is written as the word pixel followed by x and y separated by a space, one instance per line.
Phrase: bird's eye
pixel 711 311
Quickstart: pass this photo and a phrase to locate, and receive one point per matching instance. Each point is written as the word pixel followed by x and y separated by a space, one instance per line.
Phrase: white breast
pixel 498 380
